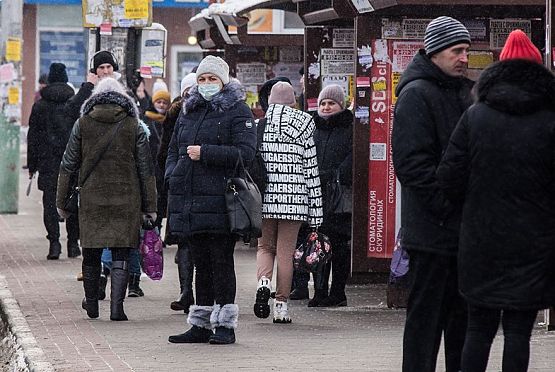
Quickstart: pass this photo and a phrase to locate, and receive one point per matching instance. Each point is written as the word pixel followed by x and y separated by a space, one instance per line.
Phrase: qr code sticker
pixel 378 151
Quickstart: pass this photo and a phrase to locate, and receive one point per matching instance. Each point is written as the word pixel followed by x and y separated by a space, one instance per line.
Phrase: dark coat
pixel 501 161
pixel 334 147
pixel 429 106
pixel 49 131
pixel 224 128
pixel 122 186
pixel 167 131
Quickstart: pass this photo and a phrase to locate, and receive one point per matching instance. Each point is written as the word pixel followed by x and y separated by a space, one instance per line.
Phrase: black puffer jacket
pixel 501 160
pixel 224 128
pixel 334 147
pixel 429 106
pixel 49 131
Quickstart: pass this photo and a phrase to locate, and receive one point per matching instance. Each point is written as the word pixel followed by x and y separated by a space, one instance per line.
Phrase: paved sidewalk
pixel 366 336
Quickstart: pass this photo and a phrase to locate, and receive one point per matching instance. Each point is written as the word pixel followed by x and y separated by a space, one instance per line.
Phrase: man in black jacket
pixel 48 135
pixel 432 95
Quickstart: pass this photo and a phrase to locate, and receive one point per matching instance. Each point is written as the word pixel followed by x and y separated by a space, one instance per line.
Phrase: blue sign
pixel 155 3
pixel 67 47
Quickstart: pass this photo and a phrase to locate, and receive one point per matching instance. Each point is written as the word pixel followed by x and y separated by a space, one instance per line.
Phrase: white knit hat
pixel 214 65
pixel 188 81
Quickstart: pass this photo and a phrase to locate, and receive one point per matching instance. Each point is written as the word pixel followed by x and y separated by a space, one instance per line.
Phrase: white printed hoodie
pixel 293 186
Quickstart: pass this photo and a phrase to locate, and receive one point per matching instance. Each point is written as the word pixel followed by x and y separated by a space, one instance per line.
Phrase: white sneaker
pixel 263 292
pixel 281 314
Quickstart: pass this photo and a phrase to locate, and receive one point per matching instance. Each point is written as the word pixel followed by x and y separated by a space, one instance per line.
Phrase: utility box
pixel 9 166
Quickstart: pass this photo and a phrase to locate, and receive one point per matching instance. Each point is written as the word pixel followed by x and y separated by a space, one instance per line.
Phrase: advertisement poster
pixel 337 61
pixel 382 193
pixel 65 47
pixel 251 73
pixel 130 13
pixel 501 28
pixel 343 38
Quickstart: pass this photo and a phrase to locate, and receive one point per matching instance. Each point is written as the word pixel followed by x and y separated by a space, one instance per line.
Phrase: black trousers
pixel 435 308
pixel 92 256
pixel 52 219
pixel 215 268
pixel 482 327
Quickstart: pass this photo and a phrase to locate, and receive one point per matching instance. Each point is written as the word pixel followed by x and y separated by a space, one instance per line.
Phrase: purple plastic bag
pixel 399 260
pixel 152 261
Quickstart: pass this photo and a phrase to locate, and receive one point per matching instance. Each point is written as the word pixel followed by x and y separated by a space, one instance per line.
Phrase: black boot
pixel 201 330
pixel 91 276
pixel 183 303
pixel 103 282
pixel 224 321
pixel 118 286
pixel 54 250
pixel 223 336
pixel 134 289
pixel 185 269
pixel 73 249
pixel 319 296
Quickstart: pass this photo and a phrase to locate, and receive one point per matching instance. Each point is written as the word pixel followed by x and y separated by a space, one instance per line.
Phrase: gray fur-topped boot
pixel 224 320
pixel 201 330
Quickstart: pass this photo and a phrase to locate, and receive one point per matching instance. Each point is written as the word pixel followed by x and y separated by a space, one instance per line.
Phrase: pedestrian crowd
pixel 475 161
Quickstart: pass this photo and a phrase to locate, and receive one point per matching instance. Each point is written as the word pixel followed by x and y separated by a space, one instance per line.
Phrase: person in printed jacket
pixel 292 196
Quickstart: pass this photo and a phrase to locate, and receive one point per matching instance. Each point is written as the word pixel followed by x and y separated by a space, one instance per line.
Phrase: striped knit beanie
pixel 444 32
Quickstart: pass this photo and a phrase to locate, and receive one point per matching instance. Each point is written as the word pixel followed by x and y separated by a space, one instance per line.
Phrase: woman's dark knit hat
pixel 444 32
pixel 57 73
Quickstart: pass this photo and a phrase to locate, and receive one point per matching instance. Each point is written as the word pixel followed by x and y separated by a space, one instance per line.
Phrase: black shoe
pixel 118 286
pixel 134 289
pixel 333 301
pixel 73 249
pixel 91 276
pixel 183 304
pixel 54 250
pixel 299 294
pixel 222 336
pixel 195 335
pixel 263 293
pixel 319 296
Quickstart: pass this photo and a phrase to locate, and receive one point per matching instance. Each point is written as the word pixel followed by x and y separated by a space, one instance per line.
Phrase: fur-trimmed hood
pixel 517 87
pixel 341 119
pixel 229 96
pixel 110 92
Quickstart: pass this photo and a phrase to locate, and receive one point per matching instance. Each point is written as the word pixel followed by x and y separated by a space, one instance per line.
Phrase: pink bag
pixel 152 261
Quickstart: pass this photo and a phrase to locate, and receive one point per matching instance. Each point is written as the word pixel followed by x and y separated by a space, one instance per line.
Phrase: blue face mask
pixel 208 90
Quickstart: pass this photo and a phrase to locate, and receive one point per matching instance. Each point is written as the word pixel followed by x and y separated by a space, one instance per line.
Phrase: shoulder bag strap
pixel 101 154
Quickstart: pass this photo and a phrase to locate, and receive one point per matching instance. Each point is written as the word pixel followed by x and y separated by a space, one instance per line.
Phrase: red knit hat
pixel 519 46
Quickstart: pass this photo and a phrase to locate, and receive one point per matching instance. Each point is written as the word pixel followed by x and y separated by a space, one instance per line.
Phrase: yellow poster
pixel 395 77
pixel 136 9
pixel 13 96
pixel 13 49
pixel 252 99
pixel 480 60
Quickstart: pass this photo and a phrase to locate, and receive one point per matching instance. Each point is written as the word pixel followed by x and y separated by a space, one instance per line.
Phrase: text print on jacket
pixel 293 191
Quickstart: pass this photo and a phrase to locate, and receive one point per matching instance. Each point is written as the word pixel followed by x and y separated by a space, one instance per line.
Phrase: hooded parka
pixel 224 128
pixel 501 161
pixel 122 185
pixel 49 131
pixel 428 108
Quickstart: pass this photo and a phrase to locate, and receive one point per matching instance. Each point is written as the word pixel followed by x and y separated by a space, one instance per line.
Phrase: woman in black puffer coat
pixel 501 162
pixel 334 146
pixel 213 130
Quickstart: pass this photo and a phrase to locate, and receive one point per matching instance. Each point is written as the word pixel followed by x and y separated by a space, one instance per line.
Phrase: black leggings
pixel 481 330
pixel 91 256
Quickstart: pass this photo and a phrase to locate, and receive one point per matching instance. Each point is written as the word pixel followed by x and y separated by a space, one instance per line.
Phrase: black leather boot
pixel 118 286
pixel 185 270
pixel 54 250
pixel 103 282
pixel 73 249
pixel 183 303
pixel 91 276
pixel 134 288
pixel 201 330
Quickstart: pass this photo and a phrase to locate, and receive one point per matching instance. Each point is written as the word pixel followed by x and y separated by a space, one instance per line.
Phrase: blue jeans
pixel 134 260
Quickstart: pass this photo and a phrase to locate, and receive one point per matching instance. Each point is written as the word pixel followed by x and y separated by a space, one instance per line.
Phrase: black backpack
pixel 257 168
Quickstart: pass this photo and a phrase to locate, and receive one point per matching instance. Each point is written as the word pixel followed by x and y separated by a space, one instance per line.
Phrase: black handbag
pixel 244 204
pixel 339 197
pixel 71 201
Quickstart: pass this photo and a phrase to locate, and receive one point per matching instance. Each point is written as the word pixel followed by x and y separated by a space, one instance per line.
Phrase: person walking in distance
pixel 432 95
pixel 109 148
pixel 49 132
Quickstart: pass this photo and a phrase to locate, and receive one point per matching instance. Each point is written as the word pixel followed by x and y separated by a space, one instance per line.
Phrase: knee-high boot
pixel 118 287
pixel 91 277
pixel 185 269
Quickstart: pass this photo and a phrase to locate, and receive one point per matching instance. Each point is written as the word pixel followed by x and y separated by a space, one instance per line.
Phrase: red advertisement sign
pixel 382 181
